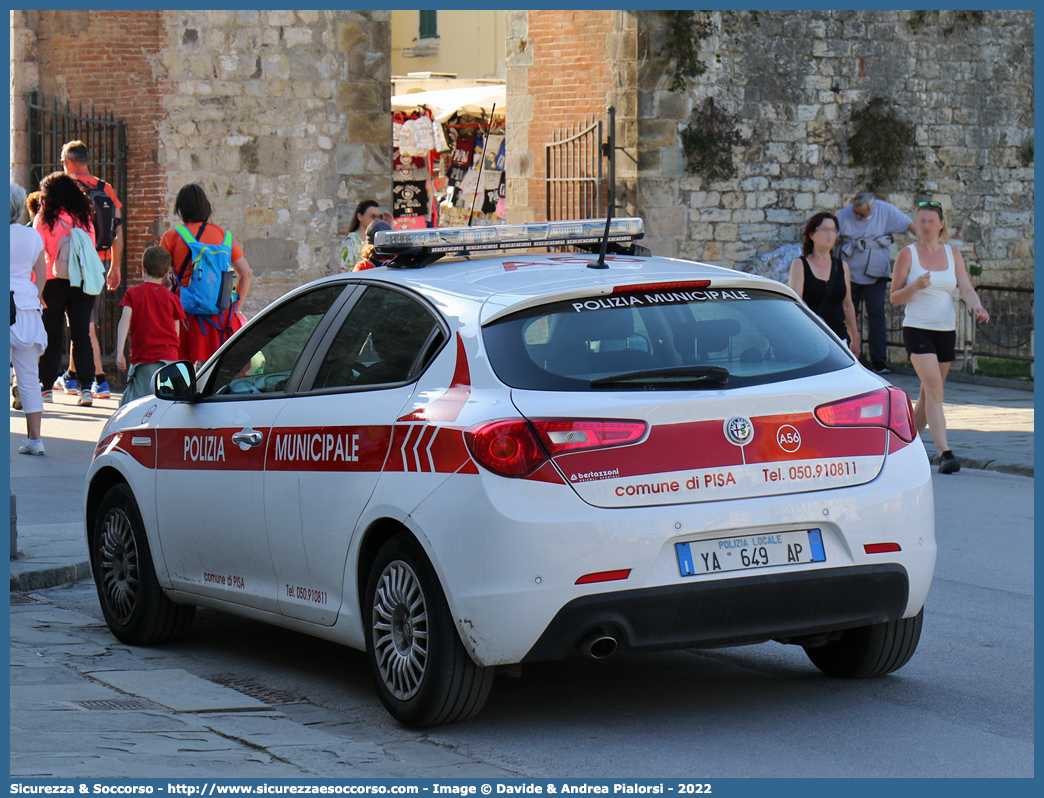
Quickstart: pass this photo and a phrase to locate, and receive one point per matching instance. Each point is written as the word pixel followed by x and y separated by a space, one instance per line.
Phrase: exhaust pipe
pixel 598 645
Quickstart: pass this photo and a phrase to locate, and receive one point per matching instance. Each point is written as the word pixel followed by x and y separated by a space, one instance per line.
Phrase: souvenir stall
pixel 448 157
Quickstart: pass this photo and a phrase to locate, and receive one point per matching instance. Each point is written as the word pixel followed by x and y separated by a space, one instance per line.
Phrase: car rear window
pixel 662 340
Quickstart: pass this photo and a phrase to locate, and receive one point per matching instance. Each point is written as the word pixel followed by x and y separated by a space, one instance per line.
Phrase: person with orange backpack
pixel 202 254
pixel 108 216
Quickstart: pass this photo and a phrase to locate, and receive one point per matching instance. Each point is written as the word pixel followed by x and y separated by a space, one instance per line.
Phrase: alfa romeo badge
pixel 739 430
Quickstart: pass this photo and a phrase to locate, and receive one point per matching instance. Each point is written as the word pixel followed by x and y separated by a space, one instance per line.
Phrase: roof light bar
pixel 446 240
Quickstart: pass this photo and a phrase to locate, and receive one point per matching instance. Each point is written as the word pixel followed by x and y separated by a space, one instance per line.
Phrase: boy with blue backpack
pixel 205 258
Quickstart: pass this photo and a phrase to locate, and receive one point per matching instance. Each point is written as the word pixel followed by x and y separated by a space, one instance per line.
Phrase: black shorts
pixel 940 343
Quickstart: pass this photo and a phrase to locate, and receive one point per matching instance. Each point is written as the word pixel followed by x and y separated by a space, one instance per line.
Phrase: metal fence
pixel 1007 336
pixel 50 127
pixel 573 163
pixel 1009 333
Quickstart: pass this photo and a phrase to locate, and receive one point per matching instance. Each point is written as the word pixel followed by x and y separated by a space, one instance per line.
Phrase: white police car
pixel 499 460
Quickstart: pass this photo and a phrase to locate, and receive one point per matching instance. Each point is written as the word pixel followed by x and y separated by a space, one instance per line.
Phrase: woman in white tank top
pixel 926 274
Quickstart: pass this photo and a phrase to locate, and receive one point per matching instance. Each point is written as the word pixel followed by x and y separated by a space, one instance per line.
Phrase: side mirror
pixel 175 382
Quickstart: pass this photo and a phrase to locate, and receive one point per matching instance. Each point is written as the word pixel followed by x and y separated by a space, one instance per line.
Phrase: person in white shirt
pixel 28 337
pixel 926 274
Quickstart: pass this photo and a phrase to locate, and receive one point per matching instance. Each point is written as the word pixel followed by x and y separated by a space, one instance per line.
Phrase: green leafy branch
pixel 881 143
pixel 708 140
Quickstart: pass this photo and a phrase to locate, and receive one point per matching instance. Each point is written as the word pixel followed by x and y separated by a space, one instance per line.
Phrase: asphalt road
pixel 962 707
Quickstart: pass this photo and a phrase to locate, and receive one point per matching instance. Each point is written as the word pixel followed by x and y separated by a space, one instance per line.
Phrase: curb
pixel 42 578
pixel 987 465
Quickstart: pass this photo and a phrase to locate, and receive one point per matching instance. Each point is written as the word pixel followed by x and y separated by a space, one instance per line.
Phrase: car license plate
pixel 699 557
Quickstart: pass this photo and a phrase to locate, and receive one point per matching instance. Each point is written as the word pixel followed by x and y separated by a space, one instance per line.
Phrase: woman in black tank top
pixel 822 280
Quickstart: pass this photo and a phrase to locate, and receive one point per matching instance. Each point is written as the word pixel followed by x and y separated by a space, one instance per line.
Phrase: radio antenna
pixel 600 263
pixel 485 146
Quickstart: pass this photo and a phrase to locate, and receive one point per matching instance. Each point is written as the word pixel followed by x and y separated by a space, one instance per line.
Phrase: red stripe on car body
pixel 668 447
pixel 447 406
pixel 702 444
pixel 817 441
pixel 328 448
pixel 207 450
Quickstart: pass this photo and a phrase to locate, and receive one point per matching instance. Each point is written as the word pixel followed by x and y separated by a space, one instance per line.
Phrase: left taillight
pixel 515 447
pixel 889 408
pixel 507 447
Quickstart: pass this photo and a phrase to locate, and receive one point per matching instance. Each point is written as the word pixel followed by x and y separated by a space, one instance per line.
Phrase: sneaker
pixel 948 463
pixel 86 399
pixel 101 390
pixel 68 385
pixel 59 384
pixel 16 400
pixel 47 396
pixel 31 447
pixel 880 368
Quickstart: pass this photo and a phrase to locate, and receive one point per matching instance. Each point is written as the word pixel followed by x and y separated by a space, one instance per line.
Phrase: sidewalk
pixel 989 427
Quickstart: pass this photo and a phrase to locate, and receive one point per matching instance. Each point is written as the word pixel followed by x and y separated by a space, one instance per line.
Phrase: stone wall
pixel 793 79
pixel 285 118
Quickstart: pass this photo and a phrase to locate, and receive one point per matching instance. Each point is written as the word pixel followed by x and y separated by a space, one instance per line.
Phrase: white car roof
pixel 506 284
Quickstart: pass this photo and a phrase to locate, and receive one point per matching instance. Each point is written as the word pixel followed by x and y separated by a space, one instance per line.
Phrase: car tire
pixel 134 605
pixel 423 673
pixel 869 651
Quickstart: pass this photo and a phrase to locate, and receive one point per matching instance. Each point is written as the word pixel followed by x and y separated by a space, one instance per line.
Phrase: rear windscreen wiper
pixel 718 374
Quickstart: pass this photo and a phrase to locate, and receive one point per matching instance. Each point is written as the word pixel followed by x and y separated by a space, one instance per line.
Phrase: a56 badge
pixel 788 438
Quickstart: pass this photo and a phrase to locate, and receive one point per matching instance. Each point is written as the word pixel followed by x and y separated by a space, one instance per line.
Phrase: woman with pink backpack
pixel 64 206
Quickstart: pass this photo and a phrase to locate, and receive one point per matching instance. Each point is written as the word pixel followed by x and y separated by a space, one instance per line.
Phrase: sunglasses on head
pixel 932 204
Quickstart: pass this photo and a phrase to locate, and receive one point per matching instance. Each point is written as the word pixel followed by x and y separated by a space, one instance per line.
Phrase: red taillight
pixel 889 407
pixel 507 447
pixel 514 447
pixel 561 435
pixel 901 420
pixel 687 285
pixel 881 548
pixel 603 576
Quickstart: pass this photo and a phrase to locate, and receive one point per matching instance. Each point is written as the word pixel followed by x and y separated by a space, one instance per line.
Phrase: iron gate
pixel 49 129
pixel 1008 336
pixel 573 170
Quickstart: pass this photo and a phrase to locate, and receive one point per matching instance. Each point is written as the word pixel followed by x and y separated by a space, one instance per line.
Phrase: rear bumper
pixel 730 612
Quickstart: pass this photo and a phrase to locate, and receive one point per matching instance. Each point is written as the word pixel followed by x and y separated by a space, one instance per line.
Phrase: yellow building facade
pixel 468 43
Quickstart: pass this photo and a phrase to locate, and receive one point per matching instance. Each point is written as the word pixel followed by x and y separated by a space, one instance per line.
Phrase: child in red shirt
pixel 150 317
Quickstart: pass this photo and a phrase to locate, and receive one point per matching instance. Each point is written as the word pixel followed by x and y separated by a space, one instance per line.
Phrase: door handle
pixel 247 438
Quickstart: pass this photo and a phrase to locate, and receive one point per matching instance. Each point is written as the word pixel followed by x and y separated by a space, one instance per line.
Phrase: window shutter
pixel 429 28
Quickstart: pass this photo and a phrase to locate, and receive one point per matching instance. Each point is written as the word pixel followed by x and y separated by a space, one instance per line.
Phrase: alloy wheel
pixel 400 629
pixel 118 565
